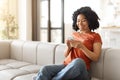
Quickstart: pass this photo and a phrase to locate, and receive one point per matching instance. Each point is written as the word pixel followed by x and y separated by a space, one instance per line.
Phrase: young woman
pixel 81 50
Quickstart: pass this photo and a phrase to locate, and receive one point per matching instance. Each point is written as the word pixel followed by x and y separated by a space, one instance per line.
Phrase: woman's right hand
pixel 68 49
pixel 68 44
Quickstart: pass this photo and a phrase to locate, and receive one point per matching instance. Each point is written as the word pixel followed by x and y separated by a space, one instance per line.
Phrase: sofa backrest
pixel 35 52
pixel 59 53
pixel 97 67
pixel 112 64
pixel 16 50
pixel 45 53
pixel 29 53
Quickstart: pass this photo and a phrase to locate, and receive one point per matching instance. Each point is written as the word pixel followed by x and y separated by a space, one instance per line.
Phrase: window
pixel 51 26
pixel 8 19
pixel 56 18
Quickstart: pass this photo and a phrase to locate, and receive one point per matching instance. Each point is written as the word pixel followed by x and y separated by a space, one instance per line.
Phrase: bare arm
pixel 67 50
pixel 93 55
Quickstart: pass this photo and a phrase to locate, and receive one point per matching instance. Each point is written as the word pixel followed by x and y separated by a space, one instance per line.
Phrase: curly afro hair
pixel 90 15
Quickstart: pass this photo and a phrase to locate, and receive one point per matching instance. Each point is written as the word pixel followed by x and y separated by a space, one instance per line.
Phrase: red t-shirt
pixel 88 39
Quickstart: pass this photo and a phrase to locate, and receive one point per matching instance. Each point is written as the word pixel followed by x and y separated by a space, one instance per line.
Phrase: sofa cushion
pixel 30 51
pixel 31 68
pixel 59 54
pixel 9 74
pixel 6 61
pixel 16 51
pixel 112 64
pixel 97 67
pixel 3 67
pixel 17 64
pixel 45 53
pixel 25 77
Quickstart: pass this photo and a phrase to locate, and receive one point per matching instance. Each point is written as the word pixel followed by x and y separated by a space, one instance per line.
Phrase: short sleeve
pixel 97 38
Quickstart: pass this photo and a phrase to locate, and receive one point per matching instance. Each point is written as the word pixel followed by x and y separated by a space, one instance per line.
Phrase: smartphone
pixel 70 38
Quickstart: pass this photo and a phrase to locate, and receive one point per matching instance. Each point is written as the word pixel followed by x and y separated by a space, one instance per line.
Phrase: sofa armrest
pixel 5 49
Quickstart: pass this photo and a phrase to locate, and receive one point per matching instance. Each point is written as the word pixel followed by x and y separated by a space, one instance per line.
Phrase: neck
pixel 88 31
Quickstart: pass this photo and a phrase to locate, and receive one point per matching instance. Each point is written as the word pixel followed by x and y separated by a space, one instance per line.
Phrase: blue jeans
pixel 73 71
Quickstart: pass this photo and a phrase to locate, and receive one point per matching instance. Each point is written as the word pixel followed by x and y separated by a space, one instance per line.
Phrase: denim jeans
pixel 73 71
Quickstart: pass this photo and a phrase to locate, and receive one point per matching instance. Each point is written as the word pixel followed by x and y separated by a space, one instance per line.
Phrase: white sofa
pixel 21 60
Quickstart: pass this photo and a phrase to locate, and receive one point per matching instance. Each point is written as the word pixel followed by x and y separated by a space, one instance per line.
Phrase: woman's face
pixel 82 23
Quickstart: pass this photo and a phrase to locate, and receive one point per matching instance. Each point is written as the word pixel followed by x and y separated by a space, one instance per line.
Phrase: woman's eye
pixel 83 20
pixel 78 20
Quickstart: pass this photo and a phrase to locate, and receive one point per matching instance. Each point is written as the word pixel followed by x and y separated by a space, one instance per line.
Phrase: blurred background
pixel 51 20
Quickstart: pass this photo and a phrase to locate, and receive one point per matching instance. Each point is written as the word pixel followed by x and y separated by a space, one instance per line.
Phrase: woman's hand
pixel 68 44
pixel 68 49
pixel 76 44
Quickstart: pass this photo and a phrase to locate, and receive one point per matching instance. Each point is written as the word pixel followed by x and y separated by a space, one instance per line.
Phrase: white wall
pixel 110 33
